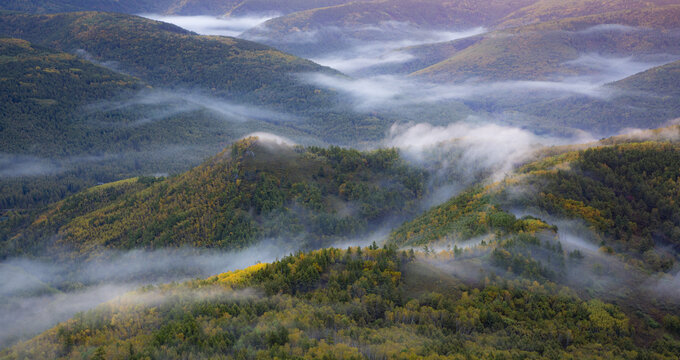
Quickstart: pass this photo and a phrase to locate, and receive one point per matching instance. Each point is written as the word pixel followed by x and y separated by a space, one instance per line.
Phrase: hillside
pixel 180 7
pixel 252 191
pixel 54 6
pixel 183 99
pixel 645 100
pixel 68 123
pixel 503 55
pixel 661 80
pixel 333 28
pixel 549 10
pixel 355 303
pixel 622 189
pixel 40 85
pixel 235 70
pixel 165 55
pixel 248 7
pixel 54 142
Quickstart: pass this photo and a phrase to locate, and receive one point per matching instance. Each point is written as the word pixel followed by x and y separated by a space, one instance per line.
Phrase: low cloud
pixel 212 25
pixel 271 138
pixel 12 166
pixel 36 295
pixel 382 92
pixel 165 103
pixel 599 70
pixel 464 153
pixel 389 91
pixel 608 28
pixel 388 48
pixel 111 65
pixel 479 146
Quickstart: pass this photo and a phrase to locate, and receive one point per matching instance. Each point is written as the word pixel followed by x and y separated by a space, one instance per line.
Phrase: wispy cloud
pixel 387 48
pixel 24 165
pixel 475 147
pixel 390 91
pixel 212 25
pixel 608 28
pixel 31 305
pixel 164 104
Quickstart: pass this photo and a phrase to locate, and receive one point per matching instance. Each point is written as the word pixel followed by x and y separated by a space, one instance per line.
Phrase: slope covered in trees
pixel 39 86
pixel 190 94
pixel 624 191
pixel 645 100
pixel 165 55
pixel 67 123
pixel 254 190
pixel 180 7
pixel 503 55
pixel 355 303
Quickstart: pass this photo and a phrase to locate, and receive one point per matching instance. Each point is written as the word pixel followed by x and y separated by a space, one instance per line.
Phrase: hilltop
pixel 254 190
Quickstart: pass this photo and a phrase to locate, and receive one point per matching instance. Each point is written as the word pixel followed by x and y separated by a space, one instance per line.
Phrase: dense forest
pixel 253 190
pixel 166 56
pixel 351 304
pixel 98 97
pixel 624 192
pixel 339 179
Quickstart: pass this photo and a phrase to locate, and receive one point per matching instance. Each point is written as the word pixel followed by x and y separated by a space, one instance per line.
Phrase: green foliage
pixel 167 56
pixel 473 213
pixel 252 191
pixel 627 192
pixel 354 304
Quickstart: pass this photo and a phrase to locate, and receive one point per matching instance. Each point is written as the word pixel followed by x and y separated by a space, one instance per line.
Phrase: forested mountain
pixel 429 13
pixel 503 55
pixel 181 7
pixel 68 123
pixel 143 162
pixel 252 191
pixel 352 304
pixel 548 10
pixel 165 55
pixel 645 100
pixel 621 188
pixel 84 122
pixel 40 85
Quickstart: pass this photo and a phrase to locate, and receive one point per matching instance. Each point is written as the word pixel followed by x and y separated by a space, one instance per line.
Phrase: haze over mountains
pixel 513 192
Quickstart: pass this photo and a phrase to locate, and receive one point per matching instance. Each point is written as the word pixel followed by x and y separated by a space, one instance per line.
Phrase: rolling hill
pixel 179 7
pixel 321 30
pixel 622 188
pixel 168 57
pixel 550 10
pixel 252 191
pixel 68 123
pixel 148 98
pixel 40 85
pixel 645 100
pixel 165 55
pixel 504 54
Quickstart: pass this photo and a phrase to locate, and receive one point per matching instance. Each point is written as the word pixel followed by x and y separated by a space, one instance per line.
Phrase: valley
pixel 331 179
